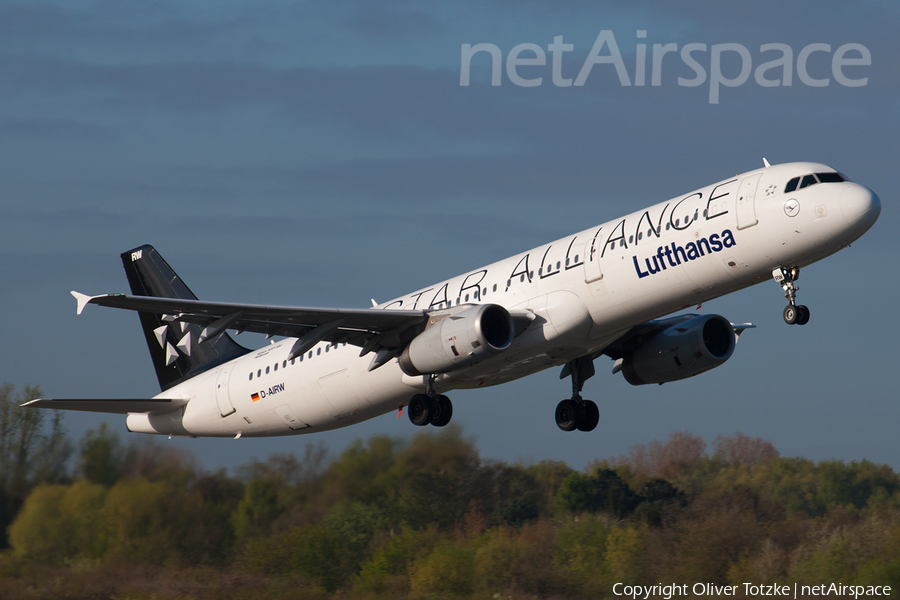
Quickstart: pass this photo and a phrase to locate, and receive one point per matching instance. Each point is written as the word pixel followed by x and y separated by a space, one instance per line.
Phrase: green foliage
pixel 258 509
pixel 429 518
pixel 603 491
pixel 30 454
pixel 139 516
pixel 447 571
pixel 856 483
pixel 328 554
pixel 581 555
pixel 387 568
pixel 60 522
pixel 515 561
pixel 101 458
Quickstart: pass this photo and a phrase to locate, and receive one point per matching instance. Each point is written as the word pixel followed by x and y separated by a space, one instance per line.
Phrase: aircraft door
pixel 746 210
pixel 223 398
pixel 592 253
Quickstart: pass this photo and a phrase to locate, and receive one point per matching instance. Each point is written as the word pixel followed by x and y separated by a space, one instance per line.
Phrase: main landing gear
pixel 576 412
pixel 430 408
pixel 793 312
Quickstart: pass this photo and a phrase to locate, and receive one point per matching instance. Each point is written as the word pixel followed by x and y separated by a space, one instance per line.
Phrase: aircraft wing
pixel 373 329
pixel 115 406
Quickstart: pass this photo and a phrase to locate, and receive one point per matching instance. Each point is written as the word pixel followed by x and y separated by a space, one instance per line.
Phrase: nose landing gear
pixel 576 412
pixel 793 313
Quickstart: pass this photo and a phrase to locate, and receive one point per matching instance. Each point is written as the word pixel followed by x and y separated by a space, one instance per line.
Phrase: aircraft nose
pixel 860 207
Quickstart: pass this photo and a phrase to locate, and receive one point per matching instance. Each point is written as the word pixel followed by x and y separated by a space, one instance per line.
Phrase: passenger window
pixel 807 181
pixel 276 366
pixel 267 370
pixel 259 373
pixel 791 185
pixel 251 375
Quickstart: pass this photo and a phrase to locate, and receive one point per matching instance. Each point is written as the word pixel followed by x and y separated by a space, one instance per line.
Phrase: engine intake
pixel 454 341
pixel 681 351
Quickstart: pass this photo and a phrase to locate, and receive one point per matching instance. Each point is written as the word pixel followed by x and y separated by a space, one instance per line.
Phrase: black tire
pixel 591 417
pixel 791 314
pixel 420 410
pixel 803 315
pixel 443 411
pixel 567 414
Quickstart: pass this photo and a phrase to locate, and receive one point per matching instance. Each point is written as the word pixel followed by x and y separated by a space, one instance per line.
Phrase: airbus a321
pixel 605 290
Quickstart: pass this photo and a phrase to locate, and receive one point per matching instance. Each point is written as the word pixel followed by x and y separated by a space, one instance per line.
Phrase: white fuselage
pixel 586 290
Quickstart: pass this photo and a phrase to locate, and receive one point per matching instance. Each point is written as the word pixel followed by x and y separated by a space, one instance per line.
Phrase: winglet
pixel 82 299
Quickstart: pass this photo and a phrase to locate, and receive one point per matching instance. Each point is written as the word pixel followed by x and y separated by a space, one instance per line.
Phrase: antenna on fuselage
pixel 765 162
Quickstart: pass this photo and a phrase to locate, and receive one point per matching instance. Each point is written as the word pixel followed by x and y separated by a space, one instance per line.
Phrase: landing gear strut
pixel 430 408
pixel 793 312
pixel 576 412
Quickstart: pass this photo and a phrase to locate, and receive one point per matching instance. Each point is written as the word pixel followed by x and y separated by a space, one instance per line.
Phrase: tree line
pixel 426 517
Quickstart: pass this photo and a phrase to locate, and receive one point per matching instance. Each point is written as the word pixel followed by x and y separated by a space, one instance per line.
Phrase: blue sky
pixel 322 154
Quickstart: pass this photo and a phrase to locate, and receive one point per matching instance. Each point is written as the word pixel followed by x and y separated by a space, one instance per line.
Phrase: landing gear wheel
pixel 420 410
pixel 590 418
pixel 567 415
pixel 791 314
pixel 443 411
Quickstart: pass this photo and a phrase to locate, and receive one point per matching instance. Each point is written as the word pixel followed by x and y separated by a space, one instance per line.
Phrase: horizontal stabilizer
pixel 113 405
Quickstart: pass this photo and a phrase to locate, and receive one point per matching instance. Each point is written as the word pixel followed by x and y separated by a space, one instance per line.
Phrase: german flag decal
pixel 254 397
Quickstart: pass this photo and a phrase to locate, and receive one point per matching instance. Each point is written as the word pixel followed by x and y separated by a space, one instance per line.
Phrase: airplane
pixel 605 290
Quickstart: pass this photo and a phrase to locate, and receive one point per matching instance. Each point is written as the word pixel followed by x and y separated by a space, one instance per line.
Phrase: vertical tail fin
pixel 177 355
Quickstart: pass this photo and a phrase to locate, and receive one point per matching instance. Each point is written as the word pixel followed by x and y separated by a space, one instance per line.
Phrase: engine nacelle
pixel 681 351
pixel 454 341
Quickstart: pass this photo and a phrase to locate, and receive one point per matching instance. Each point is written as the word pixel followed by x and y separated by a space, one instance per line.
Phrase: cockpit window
pixel 807 181
pixel 830 177
pixel 813 179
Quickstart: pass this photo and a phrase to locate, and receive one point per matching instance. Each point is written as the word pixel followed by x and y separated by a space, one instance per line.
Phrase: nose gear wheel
pixel 793 313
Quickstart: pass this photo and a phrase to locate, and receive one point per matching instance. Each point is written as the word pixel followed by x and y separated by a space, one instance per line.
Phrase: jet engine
pixel 681 351
pixel 456 340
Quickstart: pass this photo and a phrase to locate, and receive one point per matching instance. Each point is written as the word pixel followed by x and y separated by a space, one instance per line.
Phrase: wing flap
pixel 119 406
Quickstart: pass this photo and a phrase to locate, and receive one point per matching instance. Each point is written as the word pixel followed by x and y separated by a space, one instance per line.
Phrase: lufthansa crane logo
pixel 792 207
